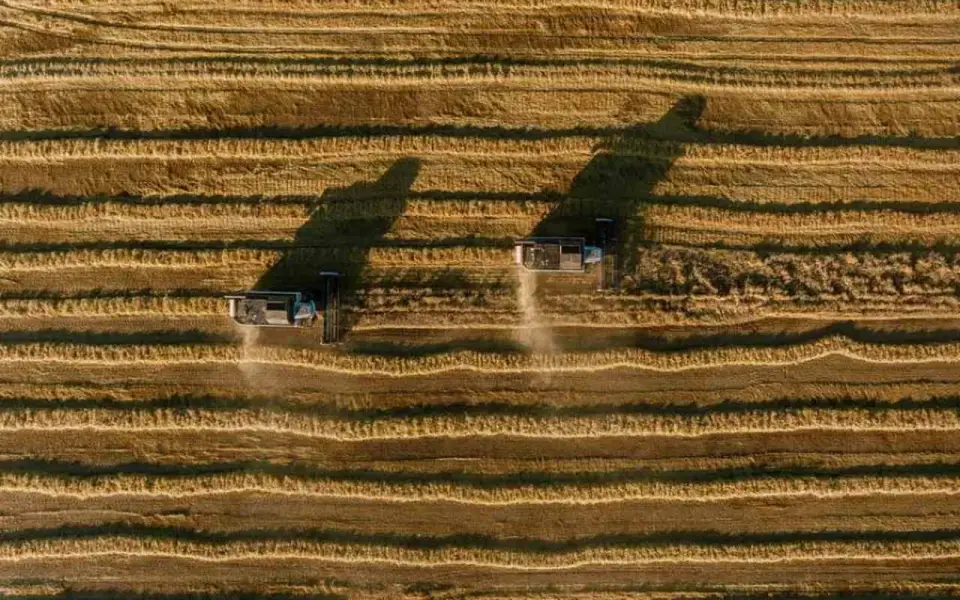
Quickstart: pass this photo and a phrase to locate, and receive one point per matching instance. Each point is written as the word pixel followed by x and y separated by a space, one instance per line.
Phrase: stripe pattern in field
pixel 765 407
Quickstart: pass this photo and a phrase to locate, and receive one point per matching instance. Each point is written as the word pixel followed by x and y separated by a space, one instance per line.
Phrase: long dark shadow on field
pixel 619 178
pixel 335 218
pixel 532 546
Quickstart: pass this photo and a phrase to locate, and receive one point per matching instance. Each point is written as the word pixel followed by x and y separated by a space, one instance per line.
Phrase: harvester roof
pixel 551 254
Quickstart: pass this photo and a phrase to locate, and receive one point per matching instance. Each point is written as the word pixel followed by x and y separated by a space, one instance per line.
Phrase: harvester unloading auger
pixel 264 308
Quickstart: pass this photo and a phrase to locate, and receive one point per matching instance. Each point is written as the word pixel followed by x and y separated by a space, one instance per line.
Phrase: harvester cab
pixel 571 254
pixel 263 308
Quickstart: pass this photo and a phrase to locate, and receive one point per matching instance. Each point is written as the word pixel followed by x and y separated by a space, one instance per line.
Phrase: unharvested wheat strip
pixel 704 272
pixel 559 427
pixel 813 239
pixel 481 362
pixel 478 257
pixel 569 494
pixel 281 549
pixel 898 187
pixel 705 226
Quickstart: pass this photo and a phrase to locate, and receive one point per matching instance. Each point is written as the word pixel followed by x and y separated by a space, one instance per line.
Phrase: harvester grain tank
pixel 266 308
pixel 571 254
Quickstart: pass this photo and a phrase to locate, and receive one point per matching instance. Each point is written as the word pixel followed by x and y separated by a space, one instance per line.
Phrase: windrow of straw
pixel 397 366
pixel 429 554
pixel 482 494
pixel 111 306
pixel 674 76
pixel 422 145
pixel 470 425
pixel 193 259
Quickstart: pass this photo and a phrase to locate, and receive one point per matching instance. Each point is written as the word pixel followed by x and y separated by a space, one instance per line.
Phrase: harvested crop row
pixel 426 145
pixel 484 362
pixel 168 108
pixel 663 76
pixel 512 494
pixel 110 306
pixel 281 232
pixel 479 257
pixel 335 209
pixel 451 555
pixel 554 427
pixel 474 166
pixel 424 308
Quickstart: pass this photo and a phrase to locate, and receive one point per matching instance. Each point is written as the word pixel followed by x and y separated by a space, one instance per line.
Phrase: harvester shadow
pixel 619 178
pixel 339 236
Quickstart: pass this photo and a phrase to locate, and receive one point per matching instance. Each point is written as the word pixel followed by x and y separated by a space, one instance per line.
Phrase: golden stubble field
pixel 768 407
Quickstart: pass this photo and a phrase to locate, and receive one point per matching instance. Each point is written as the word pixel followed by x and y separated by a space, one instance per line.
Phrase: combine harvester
pixel 572 254
pixel 258 308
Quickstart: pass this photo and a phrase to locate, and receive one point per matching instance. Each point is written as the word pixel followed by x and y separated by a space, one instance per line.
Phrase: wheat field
pixel 766 406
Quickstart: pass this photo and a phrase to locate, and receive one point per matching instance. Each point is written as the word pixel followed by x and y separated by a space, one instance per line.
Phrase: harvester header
pixel 265 308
